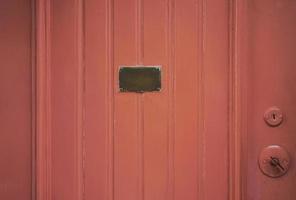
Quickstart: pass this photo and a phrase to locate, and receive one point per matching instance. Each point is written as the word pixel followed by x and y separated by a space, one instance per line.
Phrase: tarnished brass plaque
pixel 140 79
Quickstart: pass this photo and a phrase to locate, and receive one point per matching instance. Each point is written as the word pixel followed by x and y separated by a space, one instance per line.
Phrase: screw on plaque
pixel 273 116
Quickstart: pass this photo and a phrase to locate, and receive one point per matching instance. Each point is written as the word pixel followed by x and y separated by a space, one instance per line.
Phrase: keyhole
pixel 273 116
pixel 275 162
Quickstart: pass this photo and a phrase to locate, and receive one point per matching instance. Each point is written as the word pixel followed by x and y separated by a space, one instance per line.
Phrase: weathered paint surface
pixel 224 63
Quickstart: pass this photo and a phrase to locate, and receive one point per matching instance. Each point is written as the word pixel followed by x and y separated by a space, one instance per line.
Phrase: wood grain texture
pixel 183 142
pixel 139 36
pixel 43 102
pixel 171 99
pixel 80 102
pixel 201 25
pixel 223 63
pixel 235 105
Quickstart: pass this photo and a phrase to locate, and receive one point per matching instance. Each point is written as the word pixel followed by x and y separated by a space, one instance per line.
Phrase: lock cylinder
pixel 274 161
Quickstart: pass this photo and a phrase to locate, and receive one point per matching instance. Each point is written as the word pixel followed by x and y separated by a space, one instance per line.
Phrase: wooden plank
pixel 153 24
pixel 187 93
pixel 126 160
pixel 99 100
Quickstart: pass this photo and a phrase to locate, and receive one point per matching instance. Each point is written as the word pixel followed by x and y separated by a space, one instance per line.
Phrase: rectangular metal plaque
pixel 140 79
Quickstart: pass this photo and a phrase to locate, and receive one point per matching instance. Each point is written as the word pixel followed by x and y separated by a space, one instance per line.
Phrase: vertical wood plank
pixel 110 96
pixel 201 16
pixel 43 102
pixel 67 99
pixel 155 108
pixel 236 105
pixel 241 59
pixel 80 98
pixel 99 99
pixel 186 101
pixel 139 34
pixel 126 169
pixel 216 113
pixel 170 51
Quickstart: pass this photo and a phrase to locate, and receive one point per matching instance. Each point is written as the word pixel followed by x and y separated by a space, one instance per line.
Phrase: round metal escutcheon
pixel 273 116
pixel 274 161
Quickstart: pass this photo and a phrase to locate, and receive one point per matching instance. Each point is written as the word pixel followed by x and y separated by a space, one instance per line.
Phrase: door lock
pixel 274 161
pixel 273 116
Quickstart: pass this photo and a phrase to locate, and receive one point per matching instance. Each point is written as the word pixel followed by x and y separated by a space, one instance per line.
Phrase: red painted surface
pixel 16 112
pixel 224 63
pixel 270 30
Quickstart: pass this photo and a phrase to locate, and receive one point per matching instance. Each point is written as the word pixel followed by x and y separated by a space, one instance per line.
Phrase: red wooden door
pixel 224 63
pixel 172 144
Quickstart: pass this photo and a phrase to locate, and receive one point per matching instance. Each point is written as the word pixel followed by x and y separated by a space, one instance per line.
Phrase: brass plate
pixel 140 79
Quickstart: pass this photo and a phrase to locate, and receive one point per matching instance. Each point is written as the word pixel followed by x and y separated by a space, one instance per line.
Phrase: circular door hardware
pixel 274 161
pixel 273 116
